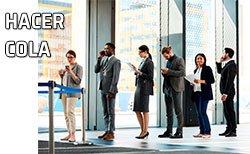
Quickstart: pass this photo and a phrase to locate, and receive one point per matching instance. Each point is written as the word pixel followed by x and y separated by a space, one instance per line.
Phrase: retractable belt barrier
pixel 64 90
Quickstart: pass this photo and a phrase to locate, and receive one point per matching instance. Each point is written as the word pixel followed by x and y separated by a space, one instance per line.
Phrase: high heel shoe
pixel 142 137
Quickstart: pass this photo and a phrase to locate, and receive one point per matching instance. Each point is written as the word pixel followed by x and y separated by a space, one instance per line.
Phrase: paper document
pixel 190 78
pixel 131 66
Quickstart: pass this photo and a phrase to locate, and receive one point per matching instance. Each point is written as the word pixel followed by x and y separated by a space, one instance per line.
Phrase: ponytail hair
pixel 149 55
pixel 144 48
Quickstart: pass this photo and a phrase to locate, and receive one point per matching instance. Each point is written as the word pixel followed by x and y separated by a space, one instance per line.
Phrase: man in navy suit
pixel 227 90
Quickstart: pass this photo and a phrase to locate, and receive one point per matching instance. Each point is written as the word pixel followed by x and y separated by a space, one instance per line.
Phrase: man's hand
pixel 164 70
pixel 101 54
pixel 222 59
pixel 224 98
pixel 110 95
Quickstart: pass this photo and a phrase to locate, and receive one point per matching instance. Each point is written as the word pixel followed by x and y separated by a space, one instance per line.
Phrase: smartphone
pixel 102 53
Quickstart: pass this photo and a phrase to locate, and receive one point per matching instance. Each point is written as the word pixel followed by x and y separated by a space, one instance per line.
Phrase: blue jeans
pixel 201 108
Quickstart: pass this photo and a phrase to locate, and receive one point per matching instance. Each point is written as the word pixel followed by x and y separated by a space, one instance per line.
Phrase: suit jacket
pixel 206 89
pixel 175 75
pixel 145 80
pixel 109 74
pixel 228 73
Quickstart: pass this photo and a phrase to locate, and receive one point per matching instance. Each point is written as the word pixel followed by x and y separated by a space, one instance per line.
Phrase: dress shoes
pixel 109 136
pixel 231 134
pixel 103 135
pixel 142 137
pixel 176 136
pixel 165 134
pixel 225 133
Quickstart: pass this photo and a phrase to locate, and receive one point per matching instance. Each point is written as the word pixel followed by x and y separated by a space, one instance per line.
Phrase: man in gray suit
pixel 109 67
pixel 172 87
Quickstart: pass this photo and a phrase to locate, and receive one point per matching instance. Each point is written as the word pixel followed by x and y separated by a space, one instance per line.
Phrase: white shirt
pixel 65 79
pixel 197 75
pixel 110 57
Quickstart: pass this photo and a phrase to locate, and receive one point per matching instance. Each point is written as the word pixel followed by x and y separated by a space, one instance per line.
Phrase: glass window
pixel 137 23
pixel 244 74
pixel 60 41
pixel 200 36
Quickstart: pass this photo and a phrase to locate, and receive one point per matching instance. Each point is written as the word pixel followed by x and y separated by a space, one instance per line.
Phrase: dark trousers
pixel 228 107
pixel 201 109
pixel 108 113
pixel 173 100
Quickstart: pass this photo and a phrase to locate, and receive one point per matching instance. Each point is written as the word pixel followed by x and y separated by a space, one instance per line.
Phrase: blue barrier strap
pixel 58 92
pixel 45 84
pixel 43 92
pixel 69 89
pixel 65 92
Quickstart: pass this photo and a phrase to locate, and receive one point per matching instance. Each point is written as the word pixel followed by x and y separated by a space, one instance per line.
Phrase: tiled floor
pixel 126 138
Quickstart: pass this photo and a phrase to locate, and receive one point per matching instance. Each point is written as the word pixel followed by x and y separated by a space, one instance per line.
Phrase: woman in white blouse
pixel 202 93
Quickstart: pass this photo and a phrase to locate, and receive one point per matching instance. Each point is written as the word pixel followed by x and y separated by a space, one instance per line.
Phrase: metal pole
pixel 83 117
pixel 51 120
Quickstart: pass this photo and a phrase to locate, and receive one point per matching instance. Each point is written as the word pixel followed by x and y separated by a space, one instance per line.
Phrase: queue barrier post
pixel 51 118
pixel 51 85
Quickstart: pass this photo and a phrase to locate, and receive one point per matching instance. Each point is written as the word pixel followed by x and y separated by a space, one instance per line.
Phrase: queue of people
pixel 108 67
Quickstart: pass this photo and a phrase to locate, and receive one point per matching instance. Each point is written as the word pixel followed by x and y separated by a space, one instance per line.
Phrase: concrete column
pixel 225 36
pixel 171 33
pixel 101 30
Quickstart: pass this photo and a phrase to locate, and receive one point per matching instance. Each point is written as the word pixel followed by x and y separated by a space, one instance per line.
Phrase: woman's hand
pixel 136 71
pixel 61 72
pixel 67 68
pixel 200 81
pixel 191 84
pixel 197 81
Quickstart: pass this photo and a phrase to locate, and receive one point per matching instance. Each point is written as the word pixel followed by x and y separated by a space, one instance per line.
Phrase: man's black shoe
pixel 176 135
pixel 225 133
pixel 165 134
pixel 231 134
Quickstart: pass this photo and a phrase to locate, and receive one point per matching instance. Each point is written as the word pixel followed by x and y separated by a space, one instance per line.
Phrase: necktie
pixel 105 64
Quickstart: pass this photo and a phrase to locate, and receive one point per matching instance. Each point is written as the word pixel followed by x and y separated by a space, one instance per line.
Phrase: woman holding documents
pixel 144 87
pixel 202 93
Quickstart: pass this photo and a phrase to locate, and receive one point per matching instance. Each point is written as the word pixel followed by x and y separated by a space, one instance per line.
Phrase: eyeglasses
pixel 70 57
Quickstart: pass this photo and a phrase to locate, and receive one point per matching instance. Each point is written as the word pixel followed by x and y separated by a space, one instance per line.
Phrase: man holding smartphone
pixel 172 87
pixel 109 68
pixel 227 90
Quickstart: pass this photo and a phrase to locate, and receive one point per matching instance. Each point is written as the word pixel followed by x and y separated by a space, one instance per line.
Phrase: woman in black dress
pixel 144 87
